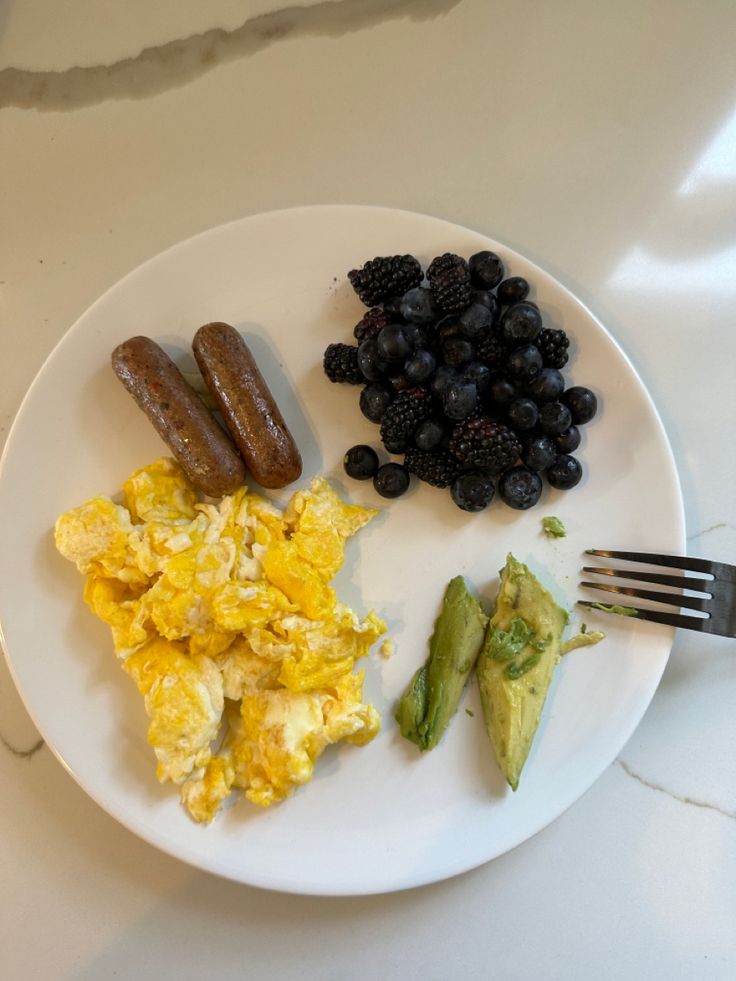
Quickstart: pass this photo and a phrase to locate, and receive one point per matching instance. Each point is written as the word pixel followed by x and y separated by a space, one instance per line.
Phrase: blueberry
pixel 523 414
pixel 420 336
pixel 538 452
pixel 486 270
pixel 547 386
pixel 484 297
pixel 459 399
pixel 399 381
pixel 568 441
pixel 475 321
pixel 428 435
pixel 472 491
pixel 442 378
pixel 394 343
pixel 457 351
pixel 524 363
pixel 361 462
pixel 521 323
pixel 501 391
pixel 448 327
pixel 582 404
pixel 371 364
pixel 554 418
pixel 520 488
pixel 392 306
pixel 420 367
pixel 374 400
pixel 478 373
pixel 416 306
pixel 512 290
pixel 391 480
pixel 565 472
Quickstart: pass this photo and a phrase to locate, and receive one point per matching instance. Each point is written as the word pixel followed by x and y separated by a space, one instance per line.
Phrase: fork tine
pixel 656 616
pixel 651 558
pixel 688 602
pixel 679 582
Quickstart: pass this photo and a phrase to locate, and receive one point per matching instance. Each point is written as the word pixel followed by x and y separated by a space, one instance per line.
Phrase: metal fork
pixel 719 605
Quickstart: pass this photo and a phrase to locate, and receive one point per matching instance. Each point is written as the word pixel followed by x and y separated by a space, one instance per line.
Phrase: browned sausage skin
pixel 179 416
pixel 247 405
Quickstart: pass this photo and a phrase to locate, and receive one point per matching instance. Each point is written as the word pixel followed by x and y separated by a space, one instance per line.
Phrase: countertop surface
pixel 600 142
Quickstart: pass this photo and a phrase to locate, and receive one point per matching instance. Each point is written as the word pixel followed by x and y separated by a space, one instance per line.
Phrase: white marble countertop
pixel 601 143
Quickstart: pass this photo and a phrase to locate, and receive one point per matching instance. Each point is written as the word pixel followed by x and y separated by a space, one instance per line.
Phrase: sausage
pixel 246 405
pixel 179 416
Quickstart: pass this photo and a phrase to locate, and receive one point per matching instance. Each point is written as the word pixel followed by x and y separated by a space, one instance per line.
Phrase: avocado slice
pixel 432 696
pixel 521 649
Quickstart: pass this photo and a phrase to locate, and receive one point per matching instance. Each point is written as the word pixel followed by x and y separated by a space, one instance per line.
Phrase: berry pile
pixel 464 380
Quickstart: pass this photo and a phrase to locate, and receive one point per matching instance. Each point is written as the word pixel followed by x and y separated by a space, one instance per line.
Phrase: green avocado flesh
pixel 623 611
pixel 553 527
pixel 434 692
pixel 515 667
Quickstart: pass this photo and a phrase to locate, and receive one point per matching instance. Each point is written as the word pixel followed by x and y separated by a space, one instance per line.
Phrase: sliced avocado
pixel 521 649
pixel 434 692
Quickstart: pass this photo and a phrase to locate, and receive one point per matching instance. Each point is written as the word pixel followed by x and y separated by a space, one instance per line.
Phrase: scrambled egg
pixel 224 617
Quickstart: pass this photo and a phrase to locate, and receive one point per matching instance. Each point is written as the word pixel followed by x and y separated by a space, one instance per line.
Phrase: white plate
pixel 381 817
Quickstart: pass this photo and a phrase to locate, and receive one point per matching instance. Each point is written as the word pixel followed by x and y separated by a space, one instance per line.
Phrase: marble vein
pixel 706 805
pixel 177 62
pixel 708 530
pixel 23 754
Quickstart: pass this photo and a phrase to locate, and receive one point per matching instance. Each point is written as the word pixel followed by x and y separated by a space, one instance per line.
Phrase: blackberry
pixel 402 416
pixel 385 276
pixel 553 345
pixel 371 324
pixel 484 444
pixel 492 349
pixel 449 282
pixel 341 364
pixel 438 468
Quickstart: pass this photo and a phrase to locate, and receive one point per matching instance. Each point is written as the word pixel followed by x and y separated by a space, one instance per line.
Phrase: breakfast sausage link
pixel 246 405
pixel 179 416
